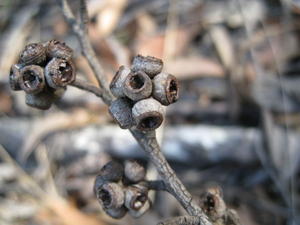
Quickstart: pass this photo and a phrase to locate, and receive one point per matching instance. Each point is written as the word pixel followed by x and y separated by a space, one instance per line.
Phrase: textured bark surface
pixel 183 220
pixel 99 92
pixel 174 185
pixel 147 141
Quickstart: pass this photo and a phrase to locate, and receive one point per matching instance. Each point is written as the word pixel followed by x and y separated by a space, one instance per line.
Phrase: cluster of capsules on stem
pixel 141 93
pixel 121 189
pixel 43 71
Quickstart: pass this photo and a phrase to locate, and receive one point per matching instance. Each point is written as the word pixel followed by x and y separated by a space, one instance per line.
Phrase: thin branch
pixel 157 185
pixel 84 18
pixel 148 140
pixel 79 28
pixel 150 145
pixel 183 220
pixel 83 85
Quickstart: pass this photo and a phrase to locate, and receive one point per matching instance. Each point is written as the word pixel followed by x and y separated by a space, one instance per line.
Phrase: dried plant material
pixel 149 64
pixel 133 171
pixel 148 114
pixel 116 213
pixel 58 49
pixel 182 220
pixel 136 200
pixel 42 100
pixel 14 77
pixel 111 172
pixel 32 79
pixel 120 110
pixel 212 203
pixel 34 53
pixel 166 88
pixel 117 83
pixel 137 86
pixel 110 196
pixel 60 72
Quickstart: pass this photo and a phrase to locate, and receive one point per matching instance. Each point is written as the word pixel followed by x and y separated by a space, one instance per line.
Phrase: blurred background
pixel 236 123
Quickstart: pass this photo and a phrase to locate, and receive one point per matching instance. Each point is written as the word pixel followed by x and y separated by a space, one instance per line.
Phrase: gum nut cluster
pixel 43 71
pixel 141 93
pixel 121 189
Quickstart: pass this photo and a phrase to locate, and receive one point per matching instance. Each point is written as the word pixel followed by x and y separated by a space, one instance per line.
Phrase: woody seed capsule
pixel 14 77
pixel 40 101
pixel 136 200
pixel 137 86
pixel 59 72
pixel 120 110
pixel 116 85
pixel 110 196
pixel 150 65
pixel 57 49
pixel 166 88
pixel 32 79
pixel 34 53
pixel 212 203
pixel 133 171
pixel 44 99
pixel 148 114
pixel 111 172
pixel 117 213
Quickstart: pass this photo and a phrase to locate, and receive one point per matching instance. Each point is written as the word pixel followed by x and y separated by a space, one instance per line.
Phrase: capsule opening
pixel 30 79
pixel 66 72
pixel 139 201
pixel 105 197
pixel 150 122
pixel 173 90
pixel 137 81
